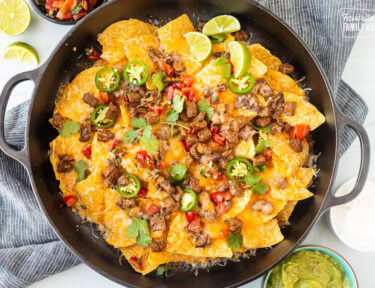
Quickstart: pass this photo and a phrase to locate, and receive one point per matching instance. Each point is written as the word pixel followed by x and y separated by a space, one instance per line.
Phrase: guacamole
pixel 308 269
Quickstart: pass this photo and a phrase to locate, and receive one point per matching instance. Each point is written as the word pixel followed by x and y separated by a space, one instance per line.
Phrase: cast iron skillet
pixel 61 66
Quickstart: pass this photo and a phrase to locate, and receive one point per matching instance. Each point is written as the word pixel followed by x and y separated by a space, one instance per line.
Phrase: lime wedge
pixel 240 58
pixel 21 52
pixel 200 45
pixel 221 24
pixel 14 17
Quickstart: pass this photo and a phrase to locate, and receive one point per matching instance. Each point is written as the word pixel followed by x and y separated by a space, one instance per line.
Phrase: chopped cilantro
pixel 178 103
pixel 148 139
pixel 260 188
pixel 205 106
pixel 234 240
pixel 261 168
pixel 131 135
pixel 161 270
pixel 262 145
pixel 81 168
pixel 151 144
pixel 138 231
pixel 251 180
pixel 266 129
pixel 158 80
pixel 69 128
pixel 138 123
pixel 172 116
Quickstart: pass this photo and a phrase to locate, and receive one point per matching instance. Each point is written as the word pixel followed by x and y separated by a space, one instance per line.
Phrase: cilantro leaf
pixel 221 61
pixel 205 106
pixel 158 80
pixel 260 168
pixel 69 128
pixel 262 145
pixel 234 240
pixel 151 144
pixel 172 116
pixel 225 73
pixel 260 188
pixel 138 230
pixel 161 269
pixel 266 129
pixel 131 135
pixel 217 38
pixel 138 122
pixel 81 168
pixel 178 103
pixel 147 132
pixel 251 179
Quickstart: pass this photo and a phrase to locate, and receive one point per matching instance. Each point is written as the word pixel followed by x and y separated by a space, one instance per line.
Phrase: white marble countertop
pixel 44 36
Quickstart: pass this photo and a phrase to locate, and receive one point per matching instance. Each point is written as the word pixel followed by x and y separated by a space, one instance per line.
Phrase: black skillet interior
pixel 87 242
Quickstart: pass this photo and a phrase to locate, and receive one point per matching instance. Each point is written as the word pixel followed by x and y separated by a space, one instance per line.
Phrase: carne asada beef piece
pixel 152 117
pixel 296 145
pixel 262 121
pixel 178 65
pixel 168 206
pixel 204 135
pixel 125 203
pixel 279 182
pixel 246 133
pixel 276 127
pixel 236 124
pixel 133 97
pixel 123 180
pixel 289 108
pixel 215 156
pixel 112 112
pixel 241 35
pixel 286 68
pixel 58 121
pixel 164 132
pixel 66 163
pixel 222 54
pixel 191 139
pixel 203 240
pixel 245 102
pixel 276 106
pixel 235 225
pixel 193 183
pixel 204 149
pixel 165 185
pixel 173 80
pixel 194 151
pixel 178 194
pixel 110 176
pixel 231 136
pixel 158 245
pixel 157 223
pixel 208 215
pixel 223 188
pixel 259 160
pixel 235 188
pixel 85 132
pixel 90 99
pixel 263 88
pixel 105 135
pixel 191 109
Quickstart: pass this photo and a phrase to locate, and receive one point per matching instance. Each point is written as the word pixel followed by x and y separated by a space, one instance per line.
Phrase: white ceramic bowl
pixel 336 219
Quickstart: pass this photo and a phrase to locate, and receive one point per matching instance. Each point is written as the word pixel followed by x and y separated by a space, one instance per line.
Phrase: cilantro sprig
pixel 81 168
pixel 234 240
pixel 266 129
pixel 262 145
pixel 69 128
pixel 138 231
pixel 147 139
pixel 205 106
pixel 158 80
pixel 177 107
pixel 226 71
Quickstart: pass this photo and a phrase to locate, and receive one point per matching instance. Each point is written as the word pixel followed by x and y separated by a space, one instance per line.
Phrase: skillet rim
pixel 41 72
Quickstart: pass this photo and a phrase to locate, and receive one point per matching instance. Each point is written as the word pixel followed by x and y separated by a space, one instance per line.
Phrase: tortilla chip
pixel 257 68
pixel 179 241
pixel 171 37
pixel 265 235
pixel 294 190
pixel 142 254
pixel 222 46
pixel 116 221
pixel 114 37
pixel 305 176
pixel 281 82
pixel 287 211
pixel 265 56
pixel 209 76
pixel 306 113
pixel 70 102
pixel 238 204
pixel 245 149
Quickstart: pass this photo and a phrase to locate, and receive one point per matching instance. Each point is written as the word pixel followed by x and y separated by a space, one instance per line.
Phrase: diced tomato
pixel 170 93
pixel 79 15
pixel 142 192
pixel 69 200
pixel 136 263
pixel 85 5
pixel 64 16
pixel 57 3
pixel 87 151
pixel 188 80
pixel 213 128
pixel 94 54
pixel 145 159
pixel 190 216
pixel 178 85
pixel 220 196
pixel 224 233
pixel 299 131
pixel 104 97
pixel 195 226
pixel 219 139
pixel 221 208
pixel 189 92
pixel 166 68
pixel 153 209
pixel 68 4
pixel 186 146
pixel 159 108
pixel 114 143
pixel 267 154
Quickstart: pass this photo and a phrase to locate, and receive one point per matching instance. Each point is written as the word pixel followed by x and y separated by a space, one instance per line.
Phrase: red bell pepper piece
pixel 104 97
pixel 219 139
pixel 93 54
pixel 145 159
pixel 69 200
pixel 79 15
pixel 136 263
pixel 189 92
pixel 87 151
pixel 267 154
pixel 153 209
pixel 57 3
pixel 64 16
pixel 186 146
pixel 158 108
pixel 190 216
pixel 187 80
pixel 142 192
pixel 224 233
pixel 299 131
pixel 213 128
pixel 166 68
pixel 114 143
pixel 195 226
pixel 170 93
pixel 49 5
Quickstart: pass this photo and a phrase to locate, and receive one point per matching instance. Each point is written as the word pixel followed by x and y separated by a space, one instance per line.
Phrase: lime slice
pixel 221 24
pixel 22 52
pixel 200 45
pixel 14 17
pixel 240 58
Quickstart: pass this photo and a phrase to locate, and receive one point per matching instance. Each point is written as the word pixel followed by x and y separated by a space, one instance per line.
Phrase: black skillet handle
pixel 343 121
pixel 20 156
